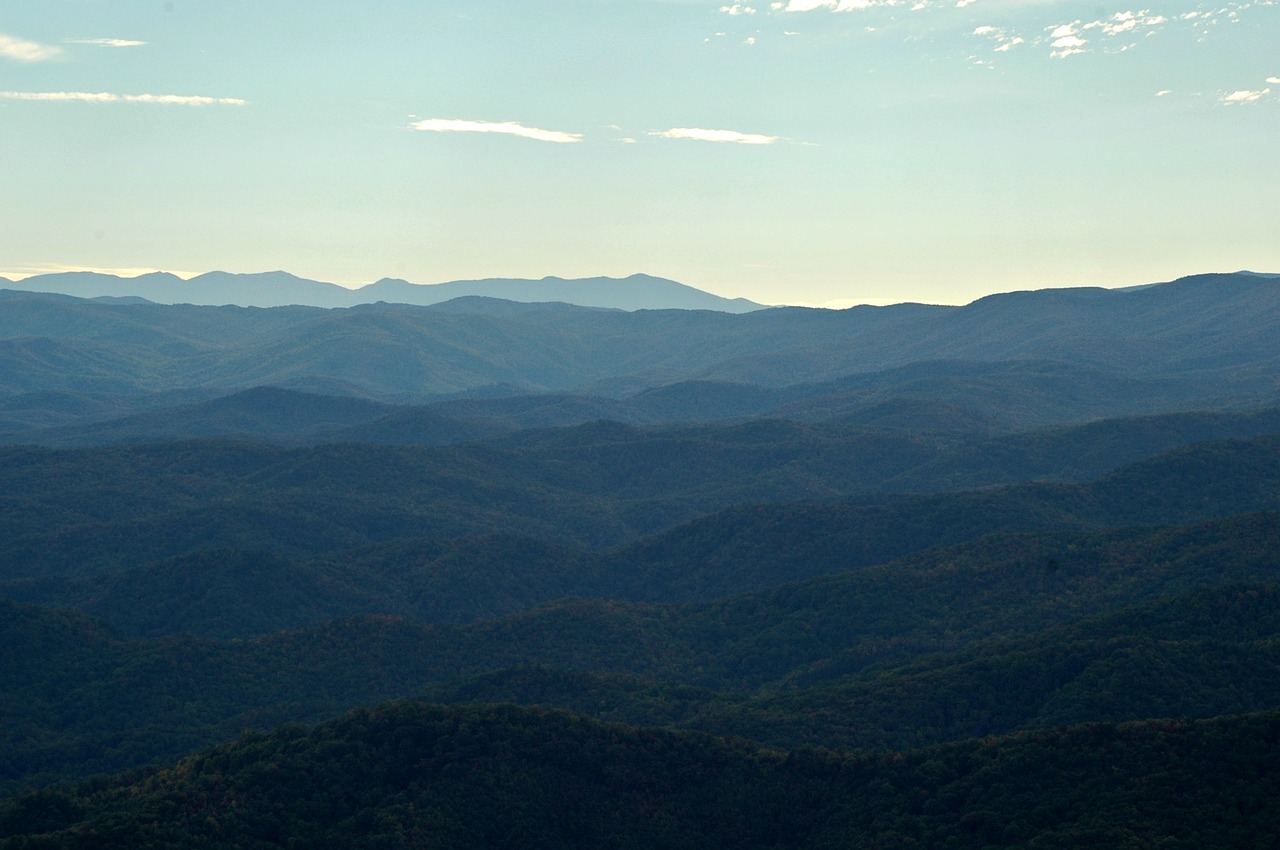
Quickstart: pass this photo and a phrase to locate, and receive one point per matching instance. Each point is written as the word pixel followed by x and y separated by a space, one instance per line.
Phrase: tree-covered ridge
pixel 959 399
pixel 227 540
pixel 1198 654
pixel 781 665
pixel 78 512
pixel 417 775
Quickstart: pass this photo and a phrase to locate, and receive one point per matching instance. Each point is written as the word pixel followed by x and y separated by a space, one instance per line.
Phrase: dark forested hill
pixel 456 535
pixel 73 513
pixel 409 774
pixel 83 699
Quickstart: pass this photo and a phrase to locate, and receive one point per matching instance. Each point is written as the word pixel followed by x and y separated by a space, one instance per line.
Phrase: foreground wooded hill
pixel 413 775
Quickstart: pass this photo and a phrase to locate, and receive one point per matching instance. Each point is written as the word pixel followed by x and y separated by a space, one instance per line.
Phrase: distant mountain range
pixel 1201 342
pixel 279 289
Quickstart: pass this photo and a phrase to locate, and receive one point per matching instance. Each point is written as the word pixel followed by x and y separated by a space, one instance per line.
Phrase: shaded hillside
pixel 958 399
pixel 595 485
pixel 1003 395
pixel 263 413
pixel 1200 654
pixel 82 699
pixel 1078 453
pixel 29 417
pixel 409 773
pixel 803 634
pixel 104 508
pixel 1162 329
pixel 1170 658
pixel 227 593
pixel 390 350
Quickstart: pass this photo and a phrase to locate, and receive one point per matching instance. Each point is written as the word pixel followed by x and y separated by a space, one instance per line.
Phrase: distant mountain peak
pixel 280 288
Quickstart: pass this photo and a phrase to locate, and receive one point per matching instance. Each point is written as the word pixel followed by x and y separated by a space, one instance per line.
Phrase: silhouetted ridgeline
pixel 1206 341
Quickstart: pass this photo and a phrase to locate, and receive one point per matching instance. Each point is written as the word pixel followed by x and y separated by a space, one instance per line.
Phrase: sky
pixel 817 152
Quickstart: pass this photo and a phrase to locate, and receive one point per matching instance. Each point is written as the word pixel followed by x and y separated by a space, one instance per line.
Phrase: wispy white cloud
pixel 1100 35
pixel 1122 23
pixel 1004 41
pixel 833 5
pixel 1275 81
pixel 508 128
pixel 700 135
pixel 109 42
pixel 22 50
pixel 1065 40
pixel 184 100
pixel 738 9
pixel 111 97
pixel 83 96
pixel 1164 92
pixel 1245 96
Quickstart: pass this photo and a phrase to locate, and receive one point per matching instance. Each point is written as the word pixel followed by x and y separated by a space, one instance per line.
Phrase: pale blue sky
pixel 810 152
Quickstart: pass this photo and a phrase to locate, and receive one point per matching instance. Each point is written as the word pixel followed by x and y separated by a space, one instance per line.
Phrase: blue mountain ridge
pixel 280 288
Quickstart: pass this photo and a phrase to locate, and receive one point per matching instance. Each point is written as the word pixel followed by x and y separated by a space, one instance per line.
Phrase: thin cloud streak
pixel 506 128
pixel 724 136
pixel 833 5
pixel 109 42
pixel 22 50
pixel 111 97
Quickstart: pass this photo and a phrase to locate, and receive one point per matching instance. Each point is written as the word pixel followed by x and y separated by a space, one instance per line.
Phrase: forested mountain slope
pixel 84 699
pixel 74 513
pixel 421 775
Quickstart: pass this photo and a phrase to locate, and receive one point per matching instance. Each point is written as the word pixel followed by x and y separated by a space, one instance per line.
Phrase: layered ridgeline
pixel 910 536
pixel 74 514
pixel 280 289
pixel 1005 633
pixel 1205 341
